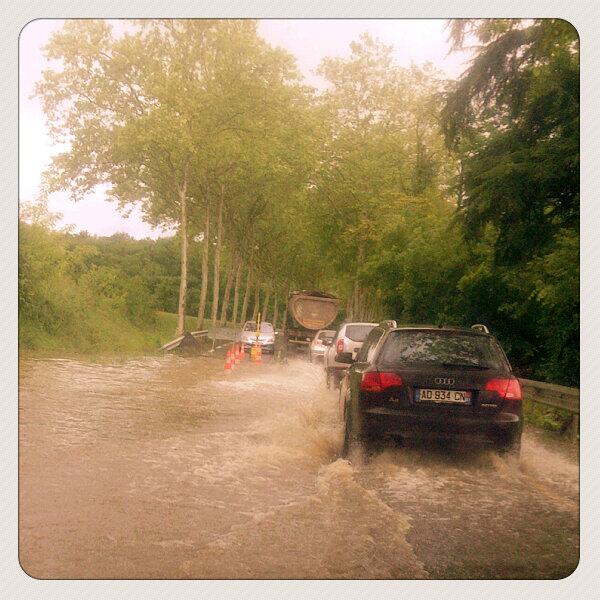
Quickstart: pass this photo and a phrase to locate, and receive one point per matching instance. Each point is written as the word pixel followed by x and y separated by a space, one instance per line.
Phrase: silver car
pixel 265 338
pixel 348 338
pixel 320 344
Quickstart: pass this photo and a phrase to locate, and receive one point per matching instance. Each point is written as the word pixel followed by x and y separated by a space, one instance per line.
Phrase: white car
pixel 321 342
pixel 348 338
pixel 265 338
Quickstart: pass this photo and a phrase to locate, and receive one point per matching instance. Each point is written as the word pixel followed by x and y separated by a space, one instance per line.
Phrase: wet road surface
pixel 166 468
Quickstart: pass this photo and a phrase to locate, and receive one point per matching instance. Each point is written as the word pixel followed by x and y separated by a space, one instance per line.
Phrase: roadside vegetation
pixel 407 195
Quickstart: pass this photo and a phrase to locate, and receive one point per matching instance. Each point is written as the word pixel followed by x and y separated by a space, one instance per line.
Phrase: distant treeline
pixel 90 293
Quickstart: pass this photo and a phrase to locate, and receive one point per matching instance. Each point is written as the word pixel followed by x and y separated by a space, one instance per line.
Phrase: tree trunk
pixel 246 295
pixel 285 312
pixel 349 313
pixel 369 309
pixel 205 256
pixel 284 322
pixel 356 308
pixel 228 284
pixel 236 291
pixel 265 307
pixel 360 304
pixel 217 260
pixel 256 302
pixel 275 312
pixel 356 302
pixel 184 257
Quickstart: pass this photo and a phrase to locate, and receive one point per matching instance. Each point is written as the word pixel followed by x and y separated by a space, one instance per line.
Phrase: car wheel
pixel 348 433
pixel 352 437
pixel 335 381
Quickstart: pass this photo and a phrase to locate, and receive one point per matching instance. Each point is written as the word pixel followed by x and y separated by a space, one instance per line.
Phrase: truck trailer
pixel 308 311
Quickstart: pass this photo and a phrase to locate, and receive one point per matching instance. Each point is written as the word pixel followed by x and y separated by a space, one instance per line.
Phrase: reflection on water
pixel 165 467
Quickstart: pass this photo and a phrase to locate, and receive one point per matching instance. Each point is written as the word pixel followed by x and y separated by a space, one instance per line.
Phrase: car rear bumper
pixel 386 421
pixel 264 347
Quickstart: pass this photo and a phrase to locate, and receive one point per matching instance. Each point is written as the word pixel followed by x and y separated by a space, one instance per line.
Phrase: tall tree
pixel 205 257
pixel 236 290
pixel 513 120
pixel 381 148
pixel 127 108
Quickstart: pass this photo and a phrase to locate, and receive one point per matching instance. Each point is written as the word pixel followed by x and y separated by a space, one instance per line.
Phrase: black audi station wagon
pixel 431 381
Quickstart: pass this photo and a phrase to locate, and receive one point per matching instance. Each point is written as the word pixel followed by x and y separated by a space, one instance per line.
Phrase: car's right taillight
pixel 339 347
pixel 508 389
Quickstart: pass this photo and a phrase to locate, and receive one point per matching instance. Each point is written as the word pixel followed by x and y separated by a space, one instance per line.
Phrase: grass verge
pixel 101 332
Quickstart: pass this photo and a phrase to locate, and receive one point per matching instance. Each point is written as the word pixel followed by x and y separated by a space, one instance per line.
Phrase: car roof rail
pixel 480 327
pixel 388 323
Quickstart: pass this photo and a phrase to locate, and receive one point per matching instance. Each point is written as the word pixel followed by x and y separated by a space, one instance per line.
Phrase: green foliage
pixel 68 300
pixel 408 196
pixel 513 120
pixel 382 149
pixel 546 417
pixel 416 263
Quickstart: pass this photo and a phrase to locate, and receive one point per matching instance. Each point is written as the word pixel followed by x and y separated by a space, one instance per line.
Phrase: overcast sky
pixel 309 40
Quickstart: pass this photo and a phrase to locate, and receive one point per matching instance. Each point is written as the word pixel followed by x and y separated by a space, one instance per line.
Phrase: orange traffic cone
pixel 258 354
pixel 228 362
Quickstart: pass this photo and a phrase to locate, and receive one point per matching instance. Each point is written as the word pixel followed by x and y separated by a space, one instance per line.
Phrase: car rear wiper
pixel 465 366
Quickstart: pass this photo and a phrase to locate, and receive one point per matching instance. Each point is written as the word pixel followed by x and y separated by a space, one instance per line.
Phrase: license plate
pixel 443 396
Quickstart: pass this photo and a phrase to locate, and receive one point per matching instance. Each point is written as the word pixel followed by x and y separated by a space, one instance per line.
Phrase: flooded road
pixel 166 468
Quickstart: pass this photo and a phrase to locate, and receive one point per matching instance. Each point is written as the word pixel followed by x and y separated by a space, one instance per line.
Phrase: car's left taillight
pixel 339 347
pixel 376 381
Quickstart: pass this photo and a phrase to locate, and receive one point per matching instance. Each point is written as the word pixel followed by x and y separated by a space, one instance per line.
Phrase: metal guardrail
pixel 557 396
pixel 174 343
pixel 550 394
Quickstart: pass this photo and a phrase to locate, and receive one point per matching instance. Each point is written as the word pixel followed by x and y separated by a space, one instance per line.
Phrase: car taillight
pixel 507 389
pixel 374 381
pixel 339 346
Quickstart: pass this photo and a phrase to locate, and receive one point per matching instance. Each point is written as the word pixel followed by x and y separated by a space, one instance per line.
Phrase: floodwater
pixel 165 467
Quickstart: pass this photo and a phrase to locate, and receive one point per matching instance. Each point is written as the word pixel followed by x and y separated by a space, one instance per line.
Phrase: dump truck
pixel 308 311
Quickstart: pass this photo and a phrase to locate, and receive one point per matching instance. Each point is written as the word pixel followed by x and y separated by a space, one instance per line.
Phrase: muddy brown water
pixel 166 468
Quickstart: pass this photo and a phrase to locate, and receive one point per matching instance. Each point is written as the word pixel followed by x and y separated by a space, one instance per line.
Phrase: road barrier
pixel 557 396
pixel 173 344
pixel 256 353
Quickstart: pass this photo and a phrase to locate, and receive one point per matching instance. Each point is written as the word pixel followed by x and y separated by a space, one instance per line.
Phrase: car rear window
pixel 358 333
pixel 264 327
pixel 448 348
